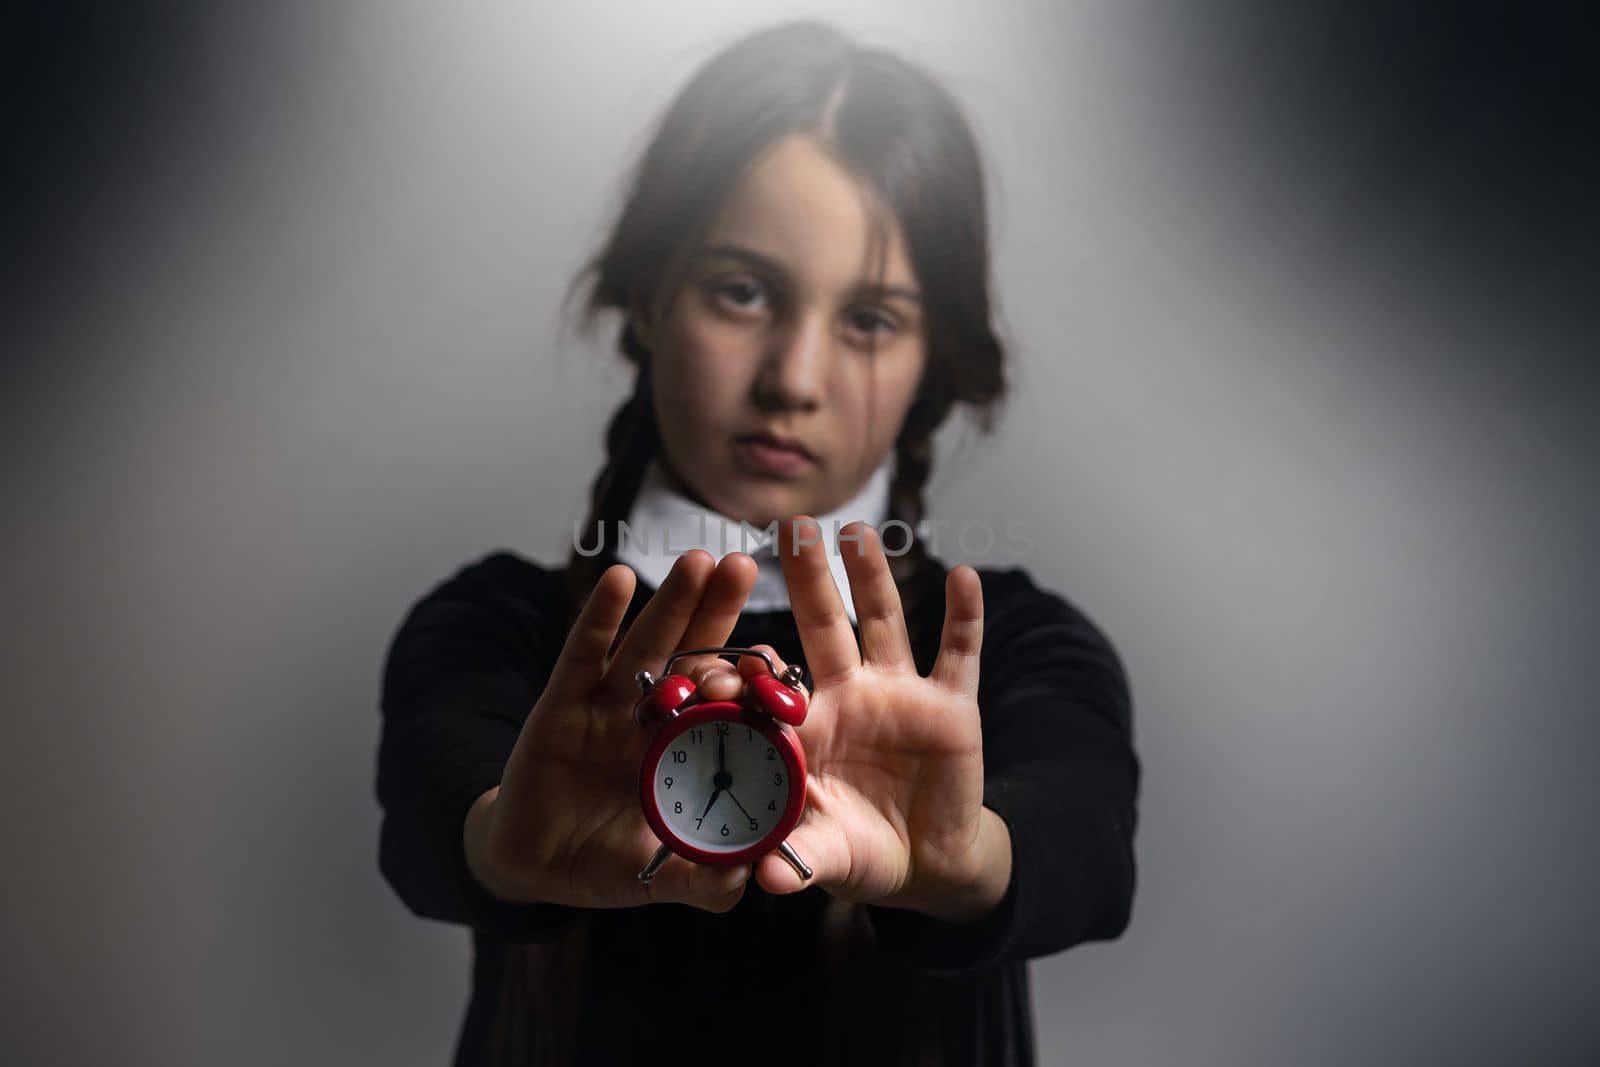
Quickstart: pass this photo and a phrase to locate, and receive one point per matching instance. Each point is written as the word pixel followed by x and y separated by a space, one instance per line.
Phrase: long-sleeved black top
pixel 763 983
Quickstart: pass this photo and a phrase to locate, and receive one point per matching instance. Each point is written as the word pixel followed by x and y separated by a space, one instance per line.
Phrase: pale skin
pixel 894 797
pixel 771 331
pixel 776 339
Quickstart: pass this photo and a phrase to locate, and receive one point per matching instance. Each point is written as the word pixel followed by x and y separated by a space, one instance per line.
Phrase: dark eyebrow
pixel 771 266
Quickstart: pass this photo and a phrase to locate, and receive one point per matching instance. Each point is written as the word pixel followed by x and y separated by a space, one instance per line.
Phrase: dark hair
pixel 900 134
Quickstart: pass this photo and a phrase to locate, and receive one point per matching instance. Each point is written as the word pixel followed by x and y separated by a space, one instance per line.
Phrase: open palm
pixel 894 803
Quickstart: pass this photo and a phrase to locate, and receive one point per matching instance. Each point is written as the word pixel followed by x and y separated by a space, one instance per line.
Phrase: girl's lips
pixel 764 453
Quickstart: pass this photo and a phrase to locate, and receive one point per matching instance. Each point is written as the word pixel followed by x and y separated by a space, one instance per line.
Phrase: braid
pixel 632 439
pixel 913 462
pixel 979 381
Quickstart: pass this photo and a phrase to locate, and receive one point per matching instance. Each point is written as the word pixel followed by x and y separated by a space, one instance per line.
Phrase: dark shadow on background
pixel 89 87
pixel 1462 137
pixel 1461 130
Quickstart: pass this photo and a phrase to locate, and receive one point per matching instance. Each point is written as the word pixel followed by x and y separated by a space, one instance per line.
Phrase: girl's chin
pixel 761 503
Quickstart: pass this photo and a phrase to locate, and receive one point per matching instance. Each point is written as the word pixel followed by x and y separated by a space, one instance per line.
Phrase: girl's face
pixel 770 334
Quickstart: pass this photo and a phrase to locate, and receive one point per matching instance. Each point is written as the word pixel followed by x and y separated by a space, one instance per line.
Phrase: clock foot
pixel 787 852
pixel 654 865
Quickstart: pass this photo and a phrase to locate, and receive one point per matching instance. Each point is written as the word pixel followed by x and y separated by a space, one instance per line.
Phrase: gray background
pixel 287 353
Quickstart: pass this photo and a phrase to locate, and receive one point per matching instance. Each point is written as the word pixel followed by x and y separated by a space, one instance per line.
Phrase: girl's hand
pixel 894 803
pixel 564 825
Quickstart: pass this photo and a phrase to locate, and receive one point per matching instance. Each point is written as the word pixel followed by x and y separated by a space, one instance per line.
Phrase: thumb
pixel 710 888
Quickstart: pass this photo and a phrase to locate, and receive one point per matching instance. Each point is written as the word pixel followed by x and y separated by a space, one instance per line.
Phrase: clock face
pixel 723 784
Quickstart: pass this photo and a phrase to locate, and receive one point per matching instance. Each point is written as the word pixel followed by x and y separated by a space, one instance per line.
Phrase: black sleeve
pixel 467 664
pixel 1060 770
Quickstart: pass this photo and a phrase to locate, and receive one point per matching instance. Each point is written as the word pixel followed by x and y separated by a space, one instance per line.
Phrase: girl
pixel 801 268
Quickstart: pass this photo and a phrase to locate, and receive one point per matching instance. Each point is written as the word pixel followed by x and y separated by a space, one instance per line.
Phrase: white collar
pixel 664 524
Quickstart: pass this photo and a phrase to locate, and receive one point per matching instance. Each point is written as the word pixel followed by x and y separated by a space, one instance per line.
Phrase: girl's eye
pixel 741 294
pixel 868 321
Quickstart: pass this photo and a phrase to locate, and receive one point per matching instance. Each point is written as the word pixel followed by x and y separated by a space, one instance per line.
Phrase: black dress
pixel 763 984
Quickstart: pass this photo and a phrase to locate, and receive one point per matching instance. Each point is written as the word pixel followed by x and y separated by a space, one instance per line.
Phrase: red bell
pixel 782 702
pixel 662 699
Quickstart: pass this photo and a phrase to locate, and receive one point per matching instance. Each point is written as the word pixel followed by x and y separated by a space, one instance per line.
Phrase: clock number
pixel 777 779
pixel 772 753
pixel 749 734
pixel 722 729
pixel 677 807
pixel 698 821
pixel 753 824
pixel 697 736
pixel 680 756
pixel 772 805
pixel 669 781
pixel 724 829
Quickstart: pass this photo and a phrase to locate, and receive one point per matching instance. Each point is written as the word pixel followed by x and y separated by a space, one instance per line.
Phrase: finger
pixel 877 599
pixel 961 641
pixel 659 627
pixel 716 680
pixel 825 631
pixel 582 661
pixel 714 677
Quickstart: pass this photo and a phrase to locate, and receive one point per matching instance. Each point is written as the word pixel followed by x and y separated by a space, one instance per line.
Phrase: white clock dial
pixel 722 785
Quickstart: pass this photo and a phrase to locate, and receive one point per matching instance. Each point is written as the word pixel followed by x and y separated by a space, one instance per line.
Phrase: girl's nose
pixel 795 367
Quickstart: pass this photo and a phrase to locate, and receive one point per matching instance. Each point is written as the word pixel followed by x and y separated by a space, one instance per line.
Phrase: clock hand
pixel 722 779
pixel 714 794
pixel 741 806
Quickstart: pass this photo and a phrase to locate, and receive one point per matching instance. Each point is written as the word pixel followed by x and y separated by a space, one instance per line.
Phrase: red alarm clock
pixel 723 781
